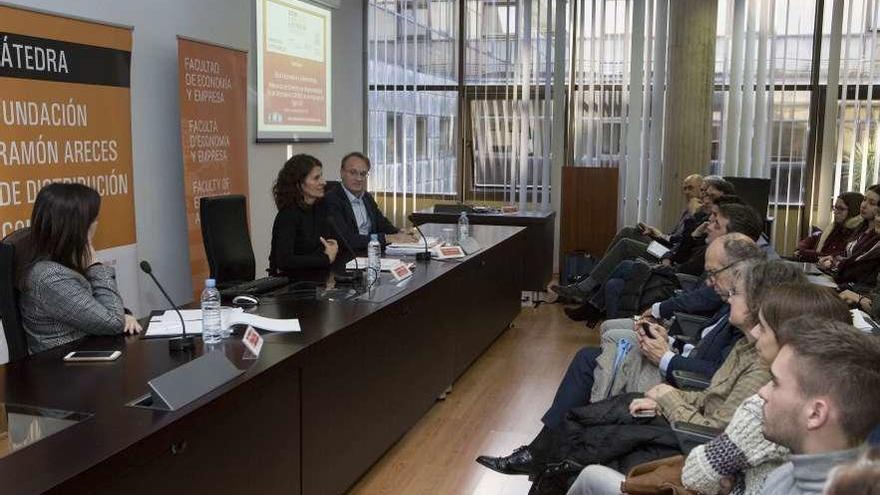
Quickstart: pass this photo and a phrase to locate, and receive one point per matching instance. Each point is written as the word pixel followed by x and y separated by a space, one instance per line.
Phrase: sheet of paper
pixel 263 323
pixel 387 264
pixel 168 323
pixel 420 244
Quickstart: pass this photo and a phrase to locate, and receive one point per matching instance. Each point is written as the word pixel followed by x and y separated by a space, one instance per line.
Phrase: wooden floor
pixel 494 407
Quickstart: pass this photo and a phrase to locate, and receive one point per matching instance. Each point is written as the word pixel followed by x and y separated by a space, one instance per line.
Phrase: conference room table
pixel 310 415
pixel 540 227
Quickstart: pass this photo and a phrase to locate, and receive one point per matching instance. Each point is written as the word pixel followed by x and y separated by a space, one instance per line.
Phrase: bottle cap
pixel 210 283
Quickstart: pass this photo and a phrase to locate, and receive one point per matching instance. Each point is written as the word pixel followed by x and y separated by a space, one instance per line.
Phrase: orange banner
pixel 213 113
pixel 65 116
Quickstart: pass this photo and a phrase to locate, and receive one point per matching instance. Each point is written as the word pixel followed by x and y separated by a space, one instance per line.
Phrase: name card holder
pixel 184 384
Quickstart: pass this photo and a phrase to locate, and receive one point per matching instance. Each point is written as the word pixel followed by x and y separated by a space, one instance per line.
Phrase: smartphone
pixel 647 329
pixel 645 413
pixel 92 356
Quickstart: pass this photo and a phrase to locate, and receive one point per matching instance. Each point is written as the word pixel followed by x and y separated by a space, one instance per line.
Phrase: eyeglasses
pixel 355 173
pixel 715 273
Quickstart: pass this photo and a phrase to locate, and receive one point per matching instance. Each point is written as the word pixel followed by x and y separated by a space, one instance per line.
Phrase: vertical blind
pixel 412 101
pixel 482 133
pixel 851 75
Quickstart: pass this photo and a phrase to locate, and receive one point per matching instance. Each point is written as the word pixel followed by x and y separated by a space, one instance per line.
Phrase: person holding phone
pixel 66 292
pixel 298 232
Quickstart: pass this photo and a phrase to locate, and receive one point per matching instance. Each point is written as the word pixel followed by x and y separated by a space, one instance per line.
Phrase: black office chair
pixel 754 191
pixel 9 311
pixel 227 239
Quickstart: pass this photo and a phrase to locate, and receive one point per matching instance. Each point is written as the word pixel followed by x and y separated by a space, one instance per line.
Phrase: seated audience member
pixel 860 261
pixel 627 249
pixel 588 430
pixel 691 187
pixel 66 293
pixel 742 453
pixel 858 478
pixel 724 218
pixel 659 355
pixel 355 212
pixel 612 433
pixel 297 234
pixel 821 403
pixel 833 239
pixel 739 460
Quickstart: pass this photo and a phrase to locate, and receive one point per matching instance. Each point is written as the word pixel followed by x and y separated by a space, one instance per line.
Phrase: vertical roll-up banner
pixel 213 133
pixel 65 116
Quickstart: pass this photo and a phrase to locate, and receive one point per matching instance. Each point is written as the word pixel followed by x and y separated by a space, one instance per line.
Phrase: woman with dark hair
pixel 297 240
pixel 832 240
pixel 66 293
pixel 859 262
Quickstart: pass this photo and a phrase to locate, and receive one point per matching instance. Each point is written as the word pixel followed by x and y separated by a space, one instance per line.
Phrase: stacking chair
pixel 227 239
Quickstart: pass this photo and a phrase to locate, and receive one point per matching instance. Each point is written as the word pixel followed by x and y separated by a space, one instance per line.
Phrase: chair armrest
pixel 688 325
pixel 690 380
pixel 689 435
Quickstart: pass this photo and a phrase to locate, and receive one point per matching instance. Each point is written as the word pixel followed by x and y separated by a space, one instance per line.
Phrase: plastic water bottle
pixel 464 226
pixel 211 326
pixel 374 261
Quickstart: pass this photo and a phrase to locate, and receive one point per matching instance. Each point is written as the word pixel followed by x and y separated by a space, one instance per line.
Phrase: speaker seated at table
pixel 300 236
pixel 354 212
pixel 227 239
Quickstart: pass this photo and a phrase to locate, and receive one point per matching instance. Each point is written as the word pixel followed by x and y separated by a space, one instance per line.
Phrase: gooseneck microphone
pixel 348 276
pixel 426 256
pixel 184 342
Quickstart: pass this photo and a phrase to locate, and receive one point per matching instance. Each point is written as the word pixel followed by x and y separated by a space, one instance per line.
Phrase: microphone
pixel 184 342
pixel 426 256
pixel 347 275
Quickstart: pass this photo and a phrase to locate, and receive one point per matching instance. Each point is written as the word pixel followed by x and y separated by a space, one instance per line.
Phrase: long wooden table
pixel 310 416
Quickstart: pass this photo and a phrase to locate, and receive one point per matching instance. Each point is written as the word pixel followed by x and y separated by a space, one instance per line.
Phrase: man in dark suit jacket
pixel 353 209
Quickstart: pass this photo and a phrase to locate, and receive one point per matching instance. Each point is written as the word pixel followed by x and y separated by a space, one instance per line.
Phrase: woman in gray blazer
pixel 66 293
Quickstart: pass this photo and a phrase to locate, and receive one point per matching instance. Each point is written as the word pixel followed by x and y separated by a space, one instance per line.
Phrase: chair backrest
pixel 9 311
pixel 754 192
pixel 227 239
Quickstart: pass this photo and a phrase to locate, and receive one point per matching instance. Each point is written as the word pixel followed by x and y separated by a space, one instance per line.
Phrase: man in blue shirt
pixel 353 209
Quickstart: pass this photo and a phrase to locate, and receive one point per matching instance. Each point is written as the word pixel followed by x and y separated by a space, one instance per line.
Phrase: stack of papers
pixel 387 264
pixel 410 248
pixel 168 324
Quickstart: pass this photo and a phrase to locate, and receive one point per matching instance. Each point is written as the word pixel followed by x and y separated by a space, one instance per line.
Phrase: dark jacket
pixel 701 300
pixel 834 245
pixel 296 240
pixel 683 242
pixel 339 208
pixel 606 433
pixel 863 263
pixel 711 351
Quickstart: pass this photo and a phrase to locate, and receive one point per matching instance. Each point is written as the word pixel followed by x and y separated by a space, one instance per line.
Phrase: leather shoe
pixel 570 292
pixel 585 312
pixel 520 461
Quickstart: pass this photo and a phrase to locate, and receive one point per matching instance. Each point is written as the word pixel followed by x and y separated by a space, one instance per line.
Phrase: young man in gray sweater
pixel 821 403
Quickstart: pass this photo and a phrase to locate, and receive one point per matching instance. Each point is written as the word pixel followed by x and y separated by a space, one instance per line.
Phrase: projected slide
pixel 293 71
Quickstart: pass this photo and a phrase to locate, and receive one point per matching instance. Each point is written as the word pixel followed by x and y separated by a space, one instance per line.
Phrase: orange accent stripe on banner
pixel 43 25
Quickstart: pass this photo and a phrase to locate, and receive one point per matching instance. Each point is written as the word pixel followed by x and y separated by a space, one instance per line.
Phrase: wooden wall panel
pixel 589 209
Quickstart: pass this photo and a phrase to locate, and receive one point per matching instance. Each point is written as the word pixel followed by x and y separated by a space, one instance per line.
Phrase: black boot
pixel 585 312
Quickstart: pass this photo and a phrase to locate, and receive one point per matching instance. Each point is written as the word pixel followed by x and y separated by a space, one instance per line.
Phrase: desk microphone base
pixel 183 343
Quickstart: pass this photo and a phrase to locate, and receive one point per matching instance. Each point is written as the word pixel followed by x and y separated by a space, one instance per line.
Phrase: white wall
pixel 158 174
